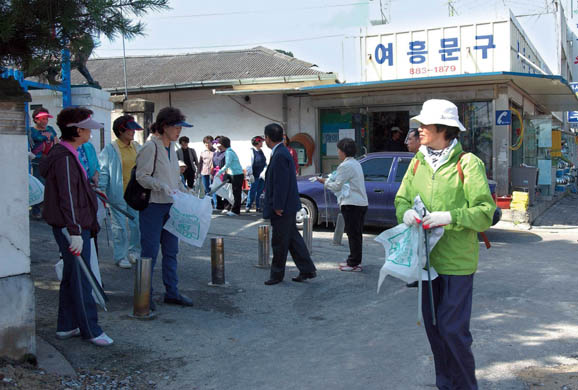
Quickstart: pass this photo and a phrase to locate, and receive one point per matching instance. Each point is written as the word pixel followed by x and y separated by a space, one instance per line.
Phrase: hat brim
pixel 422 119
pixel 132 125
pixel 183 124
pixel 88 123
pixel 43 115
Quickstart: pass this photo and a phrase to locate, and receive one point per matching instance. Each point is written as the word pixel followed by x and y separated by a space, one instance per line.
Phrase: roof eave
pixel 223 83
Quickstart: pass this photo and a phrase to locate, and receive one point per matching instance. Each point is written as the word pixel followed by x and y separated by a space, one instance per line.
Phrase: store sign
pixel 495 46
pixel 503 117
pixel 572 116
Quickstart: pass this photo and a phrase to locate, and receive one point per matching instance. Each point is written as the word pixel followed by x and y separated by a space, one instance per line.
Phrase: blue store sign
pixel 572 116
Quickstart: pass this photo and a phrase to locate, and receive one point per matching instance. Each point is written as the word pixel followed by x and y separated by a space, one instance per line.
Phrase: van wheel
pixel 307 208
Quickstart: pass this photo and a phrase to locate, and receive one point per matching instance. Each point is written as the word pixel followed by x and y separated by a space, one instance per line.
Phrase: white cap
pixel 439 112
pixel 182 163
pixel 87 123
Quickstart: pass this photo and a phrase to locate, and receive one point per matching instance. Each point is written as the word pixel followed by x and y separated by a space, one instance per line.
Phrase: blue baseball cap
pixel 132 125
pixel 183 124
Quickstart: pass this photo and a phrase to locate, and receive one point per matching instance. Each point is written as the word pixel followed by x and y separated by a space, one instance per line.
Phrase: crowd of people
pixel 460 201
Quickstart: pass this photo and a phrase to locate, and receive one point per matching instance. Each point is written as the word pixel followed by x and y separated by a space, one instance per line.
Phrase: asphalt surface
pixel 333 332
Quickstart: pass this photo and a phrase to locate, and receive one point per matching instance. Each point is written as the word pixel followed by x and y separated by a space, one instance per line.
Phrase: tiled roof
pixel 164 70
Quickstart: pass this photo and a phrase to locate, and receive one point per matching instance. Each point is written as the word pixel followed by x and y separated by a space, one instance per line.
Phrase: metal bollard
pixel 218 262
pixel 308 233
pixel 264 245
pixel 339 229
pixel 142 289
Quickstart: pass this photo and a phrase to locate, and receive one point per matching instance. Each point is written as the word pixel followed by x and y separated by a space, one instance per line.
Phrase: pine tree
pixel 33 33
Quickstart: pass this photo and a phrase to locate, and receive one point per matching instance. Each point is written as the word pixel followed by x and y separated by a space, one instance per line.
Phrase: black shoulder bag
pixel 135 195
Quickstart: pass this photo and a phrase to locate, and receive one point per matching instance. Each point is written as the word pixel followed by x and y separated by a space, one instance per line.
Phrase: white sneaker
pixel 132 258
pixel 225 211
pixel 124 263
pixel 232 214
pixel 68 334
pixel 102 341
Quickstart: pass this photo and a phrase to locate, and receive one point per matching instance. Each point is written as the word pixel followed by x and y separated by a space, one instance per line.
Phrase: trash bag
pixel 190 218
pixel 225 192
pixel 405 249
pixel 35 191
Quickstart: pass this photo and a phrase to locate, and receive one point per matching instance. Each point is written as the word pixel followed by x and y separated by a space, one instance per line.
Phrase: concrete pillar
pixel 17 316
pixel 142 110
pixel 99 102
pixel 501 145
pixel 94 99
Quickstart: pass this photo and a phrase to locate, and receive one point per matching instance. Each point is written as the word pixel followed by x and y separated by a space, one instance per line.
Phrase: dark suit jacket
pixel 281 184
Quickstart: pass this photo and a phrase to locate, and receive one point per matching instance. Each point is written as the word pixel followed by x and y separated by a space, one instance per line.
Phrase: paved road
pixel 333 332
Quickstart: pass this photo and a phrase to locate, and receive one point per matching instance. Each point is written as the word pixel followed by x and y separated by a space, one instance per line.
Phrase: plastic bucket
pixel 503 202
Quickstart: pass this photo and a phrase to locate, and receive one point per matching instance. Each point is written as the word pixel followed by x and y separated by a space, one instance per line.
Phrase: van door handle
pixel 377 190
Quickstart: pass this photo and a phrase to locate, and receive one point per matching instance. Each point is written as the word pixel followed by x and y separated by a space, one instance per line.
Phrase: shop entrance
pixel 388 130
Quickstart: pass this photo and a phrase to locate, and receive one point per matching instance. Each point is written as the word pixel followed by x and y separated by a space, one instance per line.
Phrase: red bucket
pixel 503 202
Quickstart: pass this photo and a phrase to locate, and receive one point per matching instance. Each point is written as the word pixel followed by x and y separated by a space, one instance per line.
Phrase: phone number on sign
pixel 435 69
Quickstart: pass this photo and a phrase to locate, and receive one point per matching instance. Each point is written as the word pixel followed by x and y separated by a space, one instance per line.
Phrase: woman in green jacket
pixel 454 189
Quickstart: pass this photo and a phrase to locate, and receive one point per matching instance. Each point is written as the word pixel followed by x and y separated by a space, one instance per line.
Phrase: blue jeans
pixel 152 235
pixel 76 306
pixel 207 184
pixel 255 192
pixel 125 233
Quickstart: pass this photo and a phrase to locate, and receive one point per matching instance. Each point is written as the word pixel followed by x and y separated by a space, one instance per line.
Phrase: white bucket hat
pixel 439 112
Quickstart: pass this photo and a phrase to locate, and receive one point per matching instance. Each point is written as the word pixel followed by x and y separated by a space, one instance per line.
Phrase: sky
pixel 318 31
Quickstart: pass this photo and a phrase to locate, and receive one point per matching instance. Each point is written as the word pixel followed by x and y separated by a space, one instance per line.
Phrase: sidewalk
pixel 333 332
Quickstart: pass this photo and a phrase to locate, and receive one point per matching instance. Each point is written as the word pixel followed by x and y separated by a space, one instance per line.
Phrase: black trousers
pixel 237 183
pixel 189 177
pixel 450 339
pixel 354 217
pixel 286 238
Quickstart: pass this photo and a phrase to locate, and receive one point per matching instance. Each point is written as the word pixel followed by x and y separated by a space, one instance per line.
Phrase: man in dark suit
pixel 281 206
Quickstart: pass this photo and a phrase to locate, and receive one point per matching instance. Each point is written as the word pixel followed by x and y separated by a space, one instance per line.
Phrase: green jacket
pixel 470 204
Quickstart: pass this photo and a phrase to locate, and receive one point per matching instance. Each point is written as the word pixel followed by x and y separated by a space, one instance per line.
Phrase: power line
pixel 230 13
pixel 237 45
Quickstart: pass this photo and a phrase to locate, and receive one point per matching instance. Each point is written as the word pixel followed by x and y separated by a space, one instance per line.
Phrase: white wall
pixel 14 229
pixel 219 115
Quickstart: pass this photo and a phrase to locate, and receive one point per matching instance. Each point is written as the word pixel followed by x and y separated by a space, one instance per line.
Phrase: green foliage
pixel 33 33
pixel 287 53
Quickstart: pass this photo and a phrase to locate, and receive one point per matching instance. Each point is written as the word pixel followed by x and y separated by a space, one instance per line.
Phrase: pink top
pixel 75 153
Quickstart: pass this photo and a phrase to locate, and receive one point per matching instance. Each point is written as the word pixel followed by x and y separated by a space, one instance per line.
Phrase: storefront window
pixel 477 139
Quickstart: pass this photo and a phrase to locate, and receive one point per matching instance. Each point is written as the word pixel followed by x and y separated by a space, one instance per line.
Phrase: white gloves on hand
pixel 410 217
pixel 166 189
pixel 76 244
pixel 436 218
pixel 251 179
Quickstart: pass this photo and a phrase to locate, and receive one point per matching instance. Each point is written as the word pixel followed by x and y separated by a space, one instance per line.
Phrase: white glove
pixel 251 179
pixel 313 179
pixel 76 244
pixel 437 218
pixel 166 189
pixel 410 217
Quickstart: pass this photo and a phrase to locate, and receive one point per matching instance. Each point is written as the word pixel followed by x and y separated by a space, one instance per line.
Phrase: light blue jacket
pixel 110 180
pixel 232 163
pixel 90 152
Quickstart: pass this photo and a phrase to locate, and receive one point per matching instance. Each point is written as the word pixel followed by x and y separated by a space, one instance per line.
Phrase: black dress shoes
pixel 304 276
pixel 271 282
pixel 181 301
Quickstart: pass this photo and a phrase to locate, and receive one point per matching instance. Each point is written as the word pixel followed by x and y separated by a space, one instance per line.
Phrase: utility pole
pixel 451 9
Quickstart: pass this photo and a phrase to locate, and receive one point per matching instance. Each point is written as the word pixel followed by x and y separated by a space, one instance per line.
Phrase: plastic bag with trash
pixel 190 218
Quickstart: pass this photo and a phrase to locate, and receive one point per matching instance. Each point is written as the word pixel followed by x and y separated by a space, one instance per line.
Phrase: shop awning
pixel 551 91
